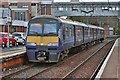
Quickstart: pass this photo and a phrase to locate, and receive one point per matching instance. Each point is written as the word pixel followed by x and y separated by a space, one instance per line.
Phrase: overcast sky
pixel 88 0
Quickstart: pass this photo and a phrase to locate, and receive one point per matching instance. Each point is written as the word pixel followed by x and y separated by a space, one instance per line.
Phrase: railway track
pixel 75 73
pixel 102 61
pixel 66 69
pixel 62 70
pixel 7 74
pixel 26 72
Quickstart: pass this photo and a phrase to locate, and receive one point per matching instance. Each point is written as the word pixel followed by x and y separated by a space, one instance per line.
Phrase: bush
pixel 118 30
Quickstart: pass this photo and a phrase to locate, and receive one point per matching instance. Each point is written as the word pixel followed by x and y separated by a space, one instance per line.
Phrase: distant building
pixel 21 12
pixel 108 31
pixel 111 30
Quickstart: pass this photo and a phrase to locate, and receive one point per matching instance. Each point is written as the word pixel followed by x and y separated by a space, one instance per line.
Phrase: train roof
pixel 69 21
pixel 101 28
pixel 92 26
pixel 73 22
pixel 62 20
pixel 80 23
pixel 45 16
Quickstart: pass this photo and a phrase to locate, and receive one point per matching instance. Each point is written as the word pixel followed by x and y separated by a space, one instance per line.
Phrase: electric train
pixel 49 38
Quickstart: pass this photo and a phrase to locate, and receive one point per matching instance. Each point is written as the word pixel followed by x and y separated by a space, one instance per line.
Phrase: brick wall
pixel 106 31
pixel 48 9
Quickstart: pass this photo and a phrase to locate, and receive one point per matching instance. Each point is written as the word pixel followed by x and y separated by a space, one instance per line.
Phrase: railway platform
pixel 111 66
pixel 5 53
pixel 11 57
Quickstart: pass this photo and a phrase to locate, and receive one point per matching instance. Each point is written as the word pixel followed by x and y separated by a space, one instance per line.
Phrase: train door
pixel 62 33
pixel 97 36
pixel 83 35
pixel 74 31
pixel 79 35
pixel 86 39
pixel 93 33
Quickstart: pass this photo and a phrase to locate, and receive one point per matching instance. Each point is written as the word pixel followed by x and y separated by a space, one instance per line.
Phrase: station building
pixel 21 11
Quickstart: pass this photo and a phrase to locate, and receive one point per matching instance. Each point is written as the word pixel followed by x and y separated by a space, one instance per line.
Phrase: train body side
pixel 50 47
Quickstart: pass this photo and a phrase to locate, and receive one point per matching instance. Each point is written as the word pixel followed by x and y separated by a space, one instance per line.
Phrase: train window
pixel 98 32
pixel 71 32
pixel 86 31
pixel 102 32
pixel 78 31
pixel 35 29
pixel 62 32
pixel 50 29
pixel 94 31
pixel 91 32
pixel 67 32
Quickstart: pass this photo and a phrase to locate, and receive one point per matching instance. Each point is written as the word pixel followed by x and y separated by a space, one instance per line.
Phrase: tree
pixel 118 30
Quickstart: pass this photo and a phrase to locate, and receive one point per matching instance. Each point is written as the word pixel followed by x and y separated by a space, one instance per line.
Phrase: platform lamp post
pixel 8 23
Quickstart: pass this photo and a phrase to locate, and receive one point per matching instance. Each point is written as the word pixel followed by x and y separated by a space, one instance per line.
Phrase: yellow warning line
pixel 11 52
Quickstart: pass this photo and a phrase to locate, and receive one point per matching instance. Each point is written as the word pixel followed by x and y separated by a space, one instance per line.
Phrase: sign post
pixel 8 21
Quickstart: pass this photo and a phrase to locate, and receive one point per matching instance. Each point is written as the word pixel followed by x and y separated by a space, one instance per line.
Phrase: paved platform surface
pixel 14 48
pixel 112 68
pixel 9 52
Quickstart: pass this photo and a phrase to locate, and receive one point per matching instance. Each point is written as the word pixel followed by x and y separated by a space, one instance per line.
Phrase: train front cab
pixel 42 40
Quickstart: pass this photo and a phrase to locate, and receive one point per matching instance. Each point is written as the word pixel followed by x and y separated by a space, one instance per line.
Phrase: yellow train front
pixel 42 39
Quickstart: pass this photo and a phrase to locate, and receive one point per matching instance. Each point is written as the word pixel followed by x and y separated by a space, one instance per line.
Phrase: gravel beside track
pixel 88 68
pixel 59 71
pixel 25 73
pixel 16 69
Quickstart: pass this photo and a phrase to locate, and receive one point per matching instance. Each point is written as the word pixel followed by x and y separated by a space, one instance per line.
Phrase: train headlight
pixel 31 44
pixel 53 44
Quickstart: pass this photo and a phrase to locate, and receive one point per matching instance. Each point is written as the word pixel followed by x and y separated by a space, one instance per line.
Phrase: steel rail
pixel 101 63
pixel 17 72
pixel 77 67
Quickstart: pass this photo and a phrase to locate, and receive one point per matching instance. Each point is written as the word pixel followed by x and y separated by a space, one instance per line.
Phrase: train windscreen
pixel 50 29
pixel 42 28
pixel 35 29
